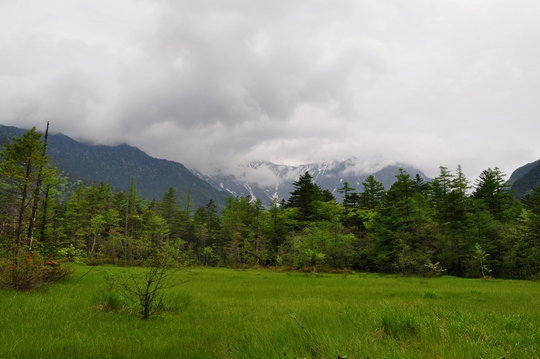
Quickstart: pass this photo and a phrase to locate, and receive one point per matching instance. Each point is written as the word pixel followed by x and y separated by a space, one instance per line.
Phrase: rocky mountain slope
pixel 266 180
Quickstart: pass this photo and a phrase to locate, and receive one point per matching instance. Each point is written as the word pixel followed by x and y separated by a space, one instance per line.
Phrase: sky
pixel 216 84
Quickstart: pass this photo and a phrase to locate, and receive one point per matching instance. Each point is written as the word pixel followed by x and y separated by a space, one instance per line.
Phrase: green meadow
pixel 226 313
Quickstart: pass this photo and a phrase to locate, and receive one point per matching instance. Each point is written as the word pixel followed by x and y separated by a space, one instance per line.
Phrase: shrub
pixel 30 271
pixel 71 254
pixel 145 290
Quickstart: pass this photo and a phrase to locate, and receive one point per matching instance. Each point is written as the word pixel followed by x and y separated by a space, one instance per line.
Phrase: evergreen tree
pixel 373 193
pixel 24 166
pixel 170 211
pixel 49 229
pixel 402 229
pixel 74 222
pixel 440 187
pixel 491 188
pixel 304 197
pixel 275 229
pixel 207 224
pixel 348 196
pixel 420 184
pixel 237 231
pixel 453 207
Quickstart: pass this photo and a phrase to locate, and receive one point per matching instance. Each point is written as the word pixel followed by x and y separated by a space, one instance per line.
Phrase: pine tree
pixel 453 208
pixel 170 211
pixel 402 229
pixel 24 166
pixel 373 193
pixel 304 197
pixel 491 189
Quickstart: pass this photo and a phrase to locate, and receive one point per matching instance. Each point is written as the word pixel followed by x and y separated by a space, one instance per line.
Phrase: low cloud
pixel 223 83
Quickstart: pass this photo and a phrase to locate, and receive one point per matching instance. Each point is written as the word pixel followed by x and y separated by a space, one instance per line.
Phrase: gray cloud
pixel 222 83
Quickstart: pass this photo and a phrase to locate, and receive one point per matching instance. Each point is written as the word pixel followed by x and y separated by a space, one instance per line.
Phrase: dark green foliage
pixel 453 213
pixel 116 165
pixel 412 228
pixel 491 188
pixel 242 238
pixel 24 172
pixel 532 200
pixel 402 229
pixel 23 167
pixel 304 197
pixel 307 197
pixel 349 196
pixel 373 194
pixel 524 179
pixel 171 213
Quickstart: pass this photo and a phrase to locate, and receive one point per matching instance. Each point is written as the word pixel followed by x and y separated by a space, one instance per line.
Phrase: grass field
pixel 223 313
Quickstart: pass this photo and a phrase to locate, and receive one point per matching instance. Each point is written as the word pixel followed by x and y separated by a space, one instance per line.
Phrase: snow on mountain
pixel 267 180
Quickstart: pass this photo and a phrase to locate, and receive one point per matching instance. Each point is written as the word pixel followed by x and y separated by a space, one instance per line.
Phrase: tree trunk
pixel 20 219
pixel 32 226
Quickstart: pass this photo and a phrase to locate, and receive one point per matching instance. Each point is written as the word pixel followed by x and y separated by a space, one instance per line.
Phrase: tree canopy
pixel 415 226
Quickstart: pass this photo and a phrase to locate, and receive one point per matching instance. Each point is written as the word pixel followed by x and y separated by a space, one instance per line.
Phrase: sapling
pixel 147 290
pixel 481 256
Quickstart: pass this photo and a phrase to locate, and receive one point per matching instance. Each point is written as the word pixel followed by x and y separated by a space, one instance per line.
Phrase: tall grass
pixel 223 313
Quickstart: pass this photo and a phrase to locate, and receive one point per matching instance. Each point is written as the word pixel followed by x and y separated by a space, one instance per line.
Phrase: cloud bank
pixel 220 83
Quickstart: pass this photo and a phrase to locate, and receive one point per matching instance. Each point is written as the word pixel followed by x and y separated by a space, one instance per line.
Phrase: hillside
pixel 525 178
pixel 116 165
pixel 522 171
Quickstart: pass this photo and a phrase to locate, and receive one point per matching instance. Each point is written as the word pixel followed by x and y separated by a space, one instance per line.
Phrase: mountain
pixel 116 165
pixel 266 180
pixel 522 171
pixel 525 178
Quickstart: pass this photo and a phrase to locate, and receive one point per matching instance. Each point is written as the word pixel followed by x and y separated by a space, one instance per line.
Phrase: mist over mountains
pixel 265 181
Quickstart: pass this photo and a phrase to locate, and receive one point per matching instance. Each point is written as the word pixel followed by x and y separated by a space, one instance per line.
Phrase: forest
pixel 449 225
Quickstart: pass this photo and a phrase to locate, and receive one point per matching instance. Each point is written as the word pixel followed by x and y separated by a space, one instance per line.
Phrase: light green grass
pixel 223 313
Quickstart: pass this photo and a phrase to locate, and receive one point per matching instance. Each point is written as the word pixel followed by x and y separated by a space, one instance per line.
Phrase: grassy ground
pixel 223 313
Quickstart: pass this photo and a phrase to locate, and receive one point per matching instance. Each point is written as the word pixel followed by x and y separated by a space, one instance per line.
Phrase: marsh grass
pixel 431 295
pixel 223 313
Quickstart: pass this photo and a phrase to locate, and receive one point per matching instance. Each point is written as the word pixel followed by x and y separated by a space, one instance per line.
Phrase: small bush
pixel 30 271
pixel 430 295
pixel 71 254
pixel 144 290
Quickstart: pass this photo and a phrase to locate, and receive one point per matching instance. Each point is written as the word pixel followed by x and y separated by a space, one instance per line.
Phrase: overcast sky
pixel 215 83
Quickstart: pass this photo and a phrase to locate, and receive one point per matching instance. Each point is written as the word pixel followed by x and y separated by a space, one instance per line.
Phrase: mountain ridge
pixel 525 178
pixel 116 165
pixel 328 175
pixel 261 180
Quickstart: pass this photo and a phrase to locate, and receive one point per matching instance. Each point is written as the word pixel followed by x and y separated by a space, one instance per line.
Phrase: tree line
pixel 415 227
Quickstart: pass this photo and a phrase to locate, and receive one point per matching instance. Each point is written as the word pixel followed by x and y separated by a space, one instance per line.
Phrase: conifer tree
pixel 305 193
pixel 373 193
pixel 170 211
pixel 23 167
pixel 348 194
pixel 402 229
pixel 491 189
